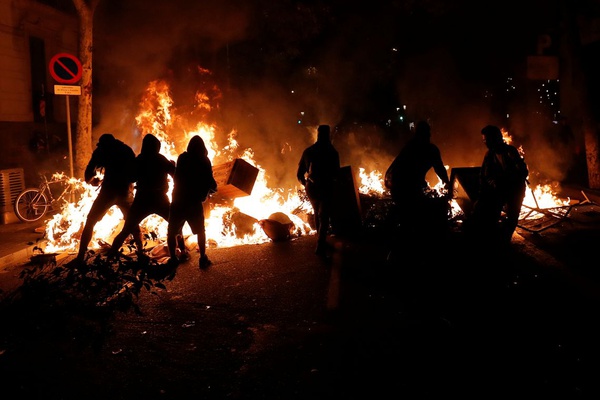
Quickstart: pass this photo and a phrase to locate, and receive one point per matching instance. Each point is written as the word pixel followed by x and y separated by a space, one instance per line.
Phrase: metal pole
pixel 69 136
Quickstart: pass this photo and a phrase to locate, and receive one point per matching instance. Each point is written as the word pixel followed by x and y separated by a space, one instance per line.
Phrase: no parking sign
pixel 65 68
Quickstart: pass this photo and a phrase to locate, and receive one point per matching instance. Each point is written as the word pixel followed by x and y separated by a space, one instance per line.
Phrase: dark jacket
pixel 116 159
pixel 194 178
pixel 406 175
pixel 319 165
pixel 152 169
pixel 503 170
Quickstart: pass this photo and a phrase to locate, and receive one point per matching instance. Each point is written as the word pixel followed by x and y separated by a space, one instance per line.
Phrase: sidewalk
pixel 18 241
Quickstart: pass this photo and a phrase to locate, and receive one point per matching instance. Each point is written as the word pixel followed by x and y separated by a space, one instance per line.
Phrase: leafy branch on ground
pixel 58 299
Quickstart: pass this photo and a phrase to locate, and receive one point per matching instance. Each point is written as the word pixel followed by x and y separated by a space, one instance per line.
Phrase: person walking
pixel 151 174
pixel 115 159
pixel 317 171
pixel 418 206
pixel 193 183
pixel 502 184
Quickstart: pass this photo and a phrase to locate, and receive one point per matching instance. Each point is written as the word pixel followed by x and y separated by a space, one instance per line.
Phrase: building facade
pixel 33 120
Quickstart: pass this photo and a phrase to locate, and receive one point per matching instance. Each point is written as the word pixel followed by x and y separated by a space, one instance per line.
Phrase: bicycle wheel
pixel 31 205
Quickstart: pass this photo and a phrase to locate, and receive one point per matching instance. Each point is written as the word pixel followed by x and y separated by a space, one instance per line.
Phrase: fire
pixel 536 201
pixel 156 117
pixel 371 183
pixel 538 198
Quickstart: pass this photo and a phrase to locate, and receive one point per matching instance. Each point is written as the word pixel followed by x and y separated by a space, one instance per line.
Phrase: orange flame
pixel 156 117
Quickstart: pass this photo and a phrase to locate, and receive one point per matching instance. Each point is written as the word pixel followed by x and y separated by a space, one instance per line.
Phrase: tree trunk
pixel 592 152
pixel 83 136
pixel 575 100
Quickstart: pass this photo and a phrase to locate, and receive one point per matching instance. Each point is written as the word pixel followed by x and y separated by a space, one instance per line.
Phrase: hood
pixel 196 146
pixel 150 144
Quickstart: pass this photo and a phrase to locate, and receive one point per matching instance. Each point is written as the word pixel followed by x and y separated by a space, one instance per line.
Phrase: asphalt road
pixel 383 317
pixel 274 321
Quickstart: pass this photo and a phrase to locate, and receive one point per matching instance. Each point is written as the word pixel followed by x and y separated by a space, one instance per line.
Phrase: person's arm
pixel 488 176
pixel 521 164
pixel 440 169
pixel 170 166
pixel 212 184
pixel 301 172
pixel 90 170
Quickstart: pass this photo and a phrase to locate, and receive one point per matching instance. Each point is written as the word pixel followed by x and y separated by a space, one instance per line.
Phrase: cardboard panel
pixel 346 219
pixel 465 186
pixel 235 178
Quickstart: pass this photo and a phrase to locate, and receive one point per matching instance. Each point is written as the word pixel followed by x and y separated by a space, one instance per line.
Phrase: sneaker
pixel 204 262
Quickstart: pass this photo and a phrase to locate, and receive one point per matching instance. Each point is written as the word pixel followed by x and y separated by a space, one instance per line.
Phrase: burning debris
pixel 245 209
pixel 243 196
pixel 278 226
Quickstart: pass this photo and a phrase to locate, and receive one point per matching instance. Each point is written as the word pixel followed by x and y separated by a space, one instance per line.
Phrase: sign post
pixel 66 68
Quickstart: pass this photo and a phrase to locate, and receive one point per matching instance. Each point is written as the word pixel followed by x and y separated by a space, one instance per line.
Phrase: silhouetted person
pixel 193 182
pixel 317 171
pixel 417 205
pixel 151 173
pixel 116 159
pixel 502 184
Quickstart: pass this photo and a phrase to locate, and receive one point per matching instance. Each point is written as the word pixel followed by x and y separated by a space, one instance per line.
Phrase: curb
pixel 19 256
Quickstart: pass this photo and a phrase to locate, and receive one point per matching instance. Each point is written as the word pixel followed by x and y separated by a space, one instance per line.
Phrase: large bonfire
pixel 156 117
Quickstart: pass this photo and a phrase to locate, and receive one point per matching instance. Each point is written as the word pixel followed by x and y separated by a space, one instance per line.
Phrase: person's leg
pixel 513 211
pixel 315 206
pixel 175 225
pixel 100 206
pixel 161 207
pixel 196 223
pixel 204 261
pixel 125 204
pixel 313 198
pixel 132 223
pixel 323 214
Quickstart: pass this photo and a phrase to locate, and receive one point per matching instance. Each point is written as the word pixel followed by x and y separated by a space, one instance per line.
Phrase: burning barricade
pixel 244 210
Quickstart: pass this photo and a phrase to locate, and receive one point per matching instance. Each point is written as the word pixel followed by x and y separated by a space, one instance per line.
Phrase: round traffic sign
pixel 65 68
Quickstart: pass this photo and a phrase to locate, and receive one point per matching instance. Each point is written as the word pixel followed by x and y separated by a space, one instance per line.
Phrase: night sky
pixel 348 65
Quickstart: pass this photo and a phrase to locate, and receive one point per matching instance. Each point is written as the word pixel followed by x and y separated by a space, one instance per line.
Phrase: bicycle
pixel 33 203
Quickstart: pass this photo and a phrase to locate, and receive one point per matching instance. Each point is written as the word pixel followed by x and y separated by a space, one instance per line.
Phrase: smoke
pixel 136 42
pixel 274 112
pixel 309 66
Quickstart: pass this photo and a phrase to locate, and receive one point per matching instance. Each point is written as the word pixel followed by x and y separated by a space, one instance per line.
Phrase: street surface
pixel 382 317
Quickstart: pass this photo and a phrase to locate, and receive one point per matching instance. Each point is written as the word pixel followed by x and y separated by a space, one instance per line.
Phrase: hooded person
pixel 406 179
pixel 151 173
pixel 317 171
pixel 193 183
pixel 502 184
pixel 115 160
